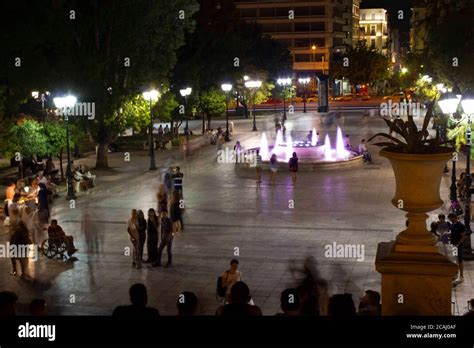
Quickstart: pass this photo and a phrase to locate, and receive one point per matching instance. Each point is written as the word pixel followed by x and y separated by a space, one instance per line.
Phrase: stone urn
pixel 418 178
pixel 416 270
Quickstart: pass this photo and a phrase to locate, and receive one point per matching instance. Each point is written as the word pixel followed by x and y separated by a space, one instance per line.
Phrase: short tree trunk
pixel 102 161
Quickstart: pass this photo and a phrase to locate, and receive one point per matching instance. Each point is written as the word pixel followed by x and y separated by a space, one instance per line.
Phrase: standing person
pixel 258 167
pixel 457 240
pixel 10 191
pixel 273 169
pixel 442 228
pixel 230 277
pixel 152 236
pixel 175 212
pixel 237 151
pixel 293 167
pixel 166 239
pixel 141 233
pixel 178 181
pixel 20 238
pixel 43 203
pixel 162 198
pixel 168 180
pixel 347 142
pixel 132 229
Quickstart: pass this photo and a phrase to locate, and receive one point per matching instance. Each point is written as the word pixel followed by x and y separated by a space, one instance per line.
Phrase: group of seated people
pixel 361 150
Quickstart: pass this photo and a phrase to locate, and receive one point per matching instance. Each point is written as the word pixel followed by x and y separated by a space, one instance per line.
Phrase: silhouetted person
pixel 341 306
pixel 238 306
pixel 8 304
pixel 370 304
pixel 290 302
pixel 38 307
pixel 187 304
pixel 138 308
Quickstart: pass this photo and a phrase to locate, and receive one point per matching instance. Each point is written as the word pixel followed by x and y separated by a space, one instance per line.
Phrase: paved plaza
pixel 225 210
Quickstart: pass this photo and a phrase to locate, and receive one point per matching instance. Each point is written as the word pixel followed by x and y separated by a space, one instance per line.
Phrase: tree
pixel 224 48
pixel 56 141
pixel 212 103
pixel 360 64
pixel 449 42
pixel 23 139
pixel 101 55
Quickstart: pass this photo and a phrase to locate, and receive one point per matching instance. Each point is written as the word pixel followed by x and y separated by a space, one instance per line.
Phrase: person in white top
pixel 132 229
pixel 230 277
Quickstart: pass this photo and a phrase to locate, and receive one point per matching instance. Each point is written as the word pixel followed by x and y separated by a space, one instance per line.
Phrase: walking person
pixel 162 198
pixel 178 181
pixel 166 239
pixel 293 166
pixel 237 151
pixel 168 180
pixel 273 169
pixel 175 212
pixel 132 229
pixel 43 203
pixel 457 240
pixel 153 225
pixel 258 167
pixel 20 238
pixel 141 233
pixel 443 228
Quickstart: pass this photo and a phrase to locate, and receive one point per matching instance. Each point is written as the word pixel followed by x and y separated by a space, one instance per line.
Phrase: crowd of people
pixel 161 225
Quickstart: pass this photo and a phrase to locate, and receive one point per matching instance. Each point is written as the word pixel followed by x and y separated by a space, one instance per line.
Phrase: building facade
pixel 418 29
pixel 374 28
pixel 311 29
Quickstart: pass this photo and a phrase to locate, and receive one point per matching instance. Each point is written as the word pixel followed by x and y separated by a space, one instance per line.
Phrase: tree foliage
pixel 360 64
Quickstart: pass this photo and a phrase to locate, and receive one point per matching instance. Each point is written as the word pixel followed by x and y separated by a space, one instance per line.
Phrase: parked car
pixel 397 97
pixel 345 97
pixel 312 98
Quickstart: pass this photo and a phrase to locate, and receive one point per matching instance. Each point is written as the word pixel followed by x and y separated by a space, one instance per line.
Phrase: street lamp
pixel 449 103
pixel 226 87
pixel 185 93
pixel 253 85
pixel 65 103
pixel 304 81
pixel 284 83
pixel 151 96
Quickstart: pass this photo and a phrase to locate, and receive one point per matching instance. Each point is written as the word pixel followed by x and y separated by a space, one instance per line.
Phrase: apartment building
pixel 313 30
pixel 374 28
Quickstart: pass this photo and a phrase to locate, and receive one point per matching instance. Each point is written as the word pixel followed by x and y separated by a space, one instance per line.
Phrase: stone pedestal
pixel 415 282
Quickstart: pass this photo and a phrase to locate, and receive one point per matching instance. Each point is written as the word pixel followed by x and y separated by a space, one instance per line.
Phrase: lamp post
pixel 151 96
pixel 449 103
pixel 226 87
pixel 253 85
pixel 185 93
pixel 304 81
pixel 284 83
pixel 64 104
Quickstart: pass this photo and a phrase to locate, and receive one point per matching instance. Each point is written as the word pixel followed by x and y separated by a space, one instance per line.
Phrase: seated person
pixel 365 152
pixel 87 175
pixel 50 169
pixel 56 232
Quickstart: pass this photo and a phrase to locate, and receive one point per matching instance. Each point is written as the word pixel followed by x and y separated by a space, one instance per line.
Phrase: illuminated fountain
pixel 289 148
pixel 341 151
pixel 327 148
pixel 314 138
pixel 313 154
pixel 264 147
